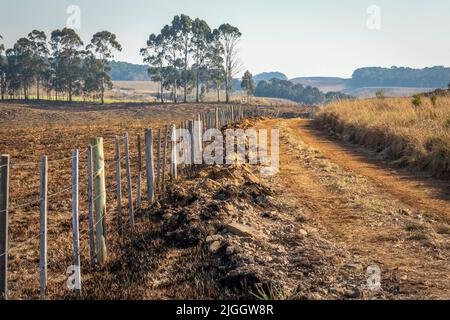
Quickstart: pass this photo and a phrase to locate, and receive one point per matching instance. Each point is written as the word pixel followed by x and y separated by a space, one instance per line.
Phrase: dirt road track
pixel 384 217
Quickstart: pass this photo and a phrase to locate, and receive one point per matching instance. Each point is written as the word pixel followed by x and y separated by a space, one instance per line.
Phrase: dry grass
pixel 416 137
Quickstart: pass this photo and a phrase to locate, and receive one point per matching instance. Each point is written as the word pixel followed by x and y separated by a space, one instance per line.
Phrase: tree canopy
pixel 284 89
pixel 248 84
pixel 189 54
pixel 61 65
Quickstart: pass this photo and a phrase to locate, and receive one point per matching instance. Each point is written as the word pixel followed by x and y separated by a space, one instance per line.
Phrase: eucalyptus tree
pixel 103 44
pixel 229 37
pixel 215 61
pixel 23 64
pixel 12 75
pixel 40 52
pixel 172 80
pixel 66 60
pixel 248 84
pixel 92 74
pixel 201 36
pixel 47 81
pixel 182 32
pixel 173 57
pixel 154 54
pixel 2 71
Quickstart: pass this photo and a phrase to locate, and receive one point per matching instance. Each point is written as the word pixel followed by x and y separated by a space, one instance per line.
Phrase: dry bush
pixel 416 137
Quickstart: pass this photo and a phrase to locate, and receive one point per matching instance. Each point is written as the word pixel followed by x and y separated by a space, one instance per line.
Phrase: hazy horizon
pixel 300 39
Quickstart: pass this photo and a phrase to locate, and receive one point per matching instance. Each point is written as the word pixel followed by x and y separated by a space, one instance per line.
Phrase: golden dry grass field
pixel 413 136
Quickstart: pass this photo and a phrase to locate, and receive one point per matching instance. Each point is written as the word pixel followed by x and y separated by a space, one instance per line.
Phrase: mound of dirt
pixel 257 247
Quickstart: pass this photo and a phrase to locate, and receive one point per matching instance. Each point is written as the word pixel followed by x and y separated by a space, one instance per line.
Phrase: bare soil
pixel 394 219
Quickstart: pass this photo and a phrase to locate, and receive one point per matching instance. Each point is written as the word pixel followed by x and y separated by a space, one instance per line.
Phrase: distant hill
pixel 434 77
pixel 267 76
pixel 325 84
pixel 394 81
pixel 365 82
pixel 124 71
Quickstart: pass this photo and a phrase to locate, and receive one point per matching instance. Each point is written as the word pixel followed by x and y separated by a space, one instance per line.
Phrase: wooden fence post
pixel 139 196
pixel 150 165
pixel 75 227
pixel 217 119
pixel 90 173
pixel 191 143
pixel 232 114
pixel 130 190
pixel 198 129
pixel 173 158
pixel 164 165
pixel 100 199
pixel 4 201
pixel 43 202
pixel 158 162
pixel 119 186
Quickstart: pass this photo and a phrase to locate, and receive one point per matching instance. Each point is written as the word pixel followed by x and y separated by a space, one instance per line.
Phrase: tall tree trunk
pixel 103 91
pixel 228 82
pixel 227 90
pixel 104 62
pixel 185 91
pixel 37 87
pixel 2 87
pixel 70 91
pixel 185 70
pixel 197 97
pixel 162 92
pixel 174 92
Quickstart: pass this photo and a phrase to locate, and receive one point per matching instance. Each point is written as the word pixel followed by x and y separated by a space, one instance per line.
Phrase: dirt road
pixel 384 217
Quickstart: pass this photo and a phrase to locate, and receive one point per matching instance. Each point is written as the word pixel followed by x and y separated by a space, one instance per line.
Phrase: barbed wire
pixel 80 151
pixel 34 238
pixel 83 234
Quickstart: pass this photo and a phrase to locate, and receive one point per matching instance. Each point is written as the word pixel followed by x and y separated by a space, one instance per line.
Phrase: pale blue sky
pixel 299 38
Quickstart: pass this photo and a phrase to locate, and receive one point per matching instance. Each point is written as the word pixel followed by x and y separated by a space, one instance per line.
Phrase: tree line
pixel 284 89
pixel 61 65
pixel 434 77
pixel 188 55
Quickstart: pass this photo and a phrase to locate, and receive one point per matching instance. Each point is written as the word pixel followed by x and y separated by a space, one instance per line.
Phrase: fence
pixel 156 176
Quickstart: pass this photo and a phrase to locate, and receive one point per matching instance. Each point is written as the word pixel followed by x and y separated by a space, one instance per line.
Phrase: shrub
pixel 433 99
pixel 380 94
pixel 417 100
